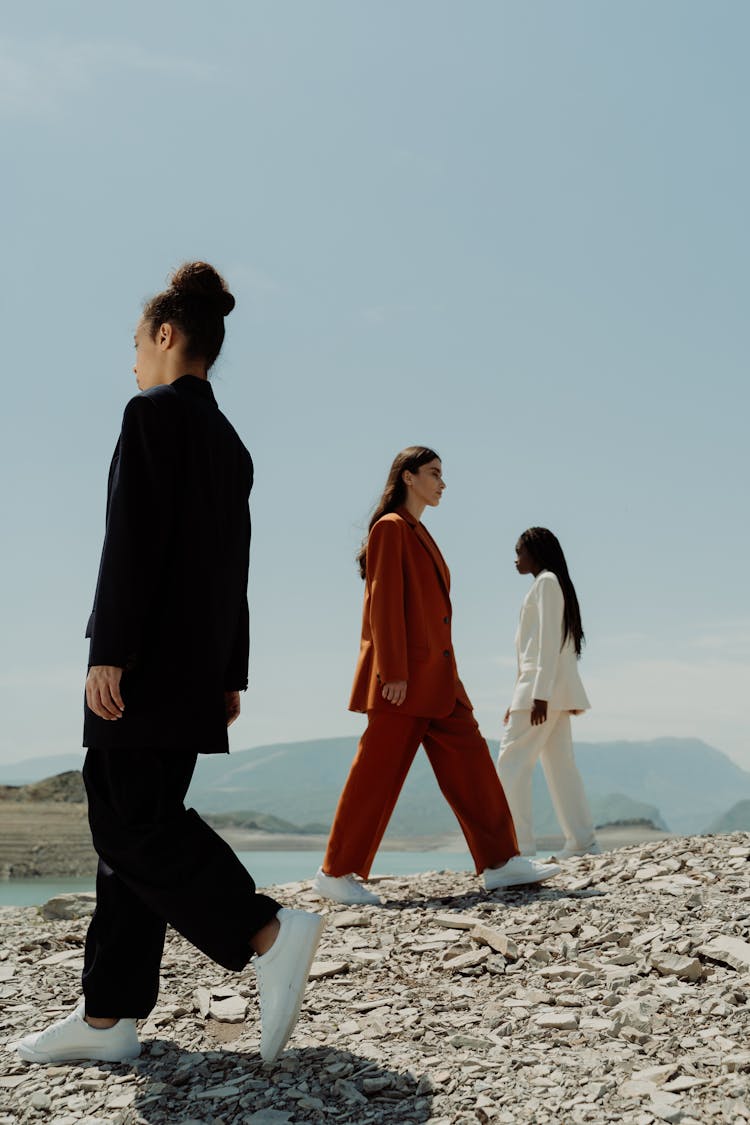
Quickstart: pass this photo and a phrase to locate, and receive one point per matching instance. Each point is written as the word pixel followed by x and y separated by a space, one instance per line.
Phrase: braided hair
pixel 545 549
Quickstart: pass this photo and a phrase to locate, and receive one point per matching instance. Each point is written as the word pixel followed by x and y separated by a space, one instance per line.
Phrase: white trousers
pixel 551 741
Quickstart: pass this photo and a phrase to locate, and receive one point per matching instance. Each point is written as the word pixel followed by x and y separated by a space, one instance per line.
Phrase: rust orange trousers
pixel 465 773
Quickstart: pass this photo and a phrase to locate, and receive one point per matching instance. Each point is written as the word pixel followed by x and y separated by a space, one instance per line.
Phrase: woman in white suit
pixel 548 691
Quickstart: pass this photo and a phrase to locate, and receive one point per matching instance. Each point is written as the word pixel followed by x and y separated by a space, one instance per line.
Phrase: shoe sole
pixel 271 1057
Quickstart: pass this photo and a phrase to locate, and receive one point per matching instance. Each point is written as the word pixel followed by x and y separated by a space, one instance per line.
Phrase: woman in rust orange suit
pixel 407 682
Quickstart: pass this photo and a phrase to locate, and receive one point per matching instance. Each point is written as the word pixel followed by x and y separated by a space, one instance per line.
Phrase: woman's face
pixel 525 561
pixel 426 483
pixel 149 358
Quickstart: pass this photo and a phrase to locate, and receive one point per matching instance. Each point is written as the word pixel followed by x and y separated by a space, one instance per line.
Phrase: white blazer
pixel 544 670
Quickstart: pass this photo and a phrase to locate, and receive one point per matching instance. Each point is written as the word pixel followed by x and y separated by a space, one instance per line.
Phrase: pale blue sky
pixel 514 231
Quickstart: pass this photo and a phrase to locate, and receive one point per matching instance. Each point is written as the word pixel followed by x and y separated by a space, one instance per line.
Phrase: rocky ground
pixel 617 993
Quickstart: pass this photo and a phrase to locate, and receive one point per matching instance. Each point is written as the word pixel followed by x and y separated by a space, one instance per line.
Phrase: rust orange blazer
pixel 406 623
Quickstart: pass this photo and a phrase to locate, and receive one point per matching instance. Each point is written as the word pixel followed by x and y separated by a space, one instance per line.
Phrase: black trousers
pixel 159 864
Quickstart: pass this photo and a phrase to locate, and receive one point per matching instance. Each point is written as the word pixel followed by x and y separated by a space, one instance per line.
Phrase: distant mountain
pixel 682 784
pixel 251 821
pixel 36 769
pixel 689 781
pixel 736 819
pixel 606 808
pixel 260 778
pixel 64 788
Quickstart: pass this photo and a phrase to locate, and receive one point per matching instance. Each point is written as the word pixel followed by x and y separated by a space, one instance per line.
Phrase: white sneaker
pixel 344 888
pixel 517 871
pixel 72 1038
pixel 572 853
pixel 282 974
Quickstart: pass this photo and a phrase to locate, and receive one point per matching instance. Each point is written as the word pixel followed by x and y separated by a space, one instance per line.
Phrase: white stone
pixel 729 950
pixel 559 1021
pixel 656 1074
pixel 458 921
pixel 232 1009
pixel 596 1023
pixel 684 968
pixel 737 1060
pixel 202 1001
pixel 121 1101
pixel 349 1091
pixel 78 905
pixel 322 969
pixel 467 960
pixel 471 1042
pixel 348 918
pixel 62 957
pixel 496 940
pixel 225 1091
pixel 684 1082
pixel 637 1014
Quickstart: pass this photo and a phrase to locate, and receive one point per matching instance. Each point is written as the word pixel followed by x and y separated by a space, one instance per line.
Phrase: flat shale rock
pixel 496 940
pixel 320 969
pixel 670 964
pixel 230 1009
pixel 730 950
pixel 78 905
pixel 558 1021
pixel 617 992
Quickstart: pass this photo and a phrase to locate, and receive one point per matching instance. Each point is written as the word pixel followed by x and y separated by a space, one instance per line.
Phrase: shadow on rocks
pixel 512 897
pixel 234 1087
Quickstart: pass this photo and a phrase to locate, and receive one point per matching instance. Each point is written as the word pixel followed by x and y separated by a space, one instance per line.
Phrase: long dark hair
pixel 394 494
pixel 196 302
pixel 545 549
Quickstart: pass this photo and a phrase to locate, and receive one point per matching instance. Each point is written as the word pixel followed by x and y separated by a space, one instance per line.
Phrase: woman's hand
pixel 231 706
pixel 506 718
pixel 539 712
pixel 395 692
pixel 103 691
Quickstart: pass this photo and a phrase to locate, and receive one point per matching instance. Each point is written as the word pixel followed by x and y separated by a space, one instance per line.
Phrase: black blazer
pixel 171 598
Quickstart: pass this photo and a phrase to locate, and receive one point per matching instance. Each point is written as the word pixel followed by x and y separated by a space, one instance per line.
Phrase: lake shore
pixel 48 839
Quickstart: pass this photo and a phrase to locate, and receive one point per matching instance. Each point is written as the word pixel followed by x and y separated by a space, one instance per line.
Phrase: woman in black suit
pixel 168 659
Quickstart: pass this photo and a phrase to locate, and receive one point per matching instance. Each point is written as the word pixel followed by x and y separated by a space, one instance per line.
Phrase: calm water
pixel 265 867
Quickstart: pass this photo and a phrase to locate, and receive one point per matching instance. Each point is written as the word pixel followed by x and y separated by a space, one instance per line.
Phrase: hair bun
pixel 200 280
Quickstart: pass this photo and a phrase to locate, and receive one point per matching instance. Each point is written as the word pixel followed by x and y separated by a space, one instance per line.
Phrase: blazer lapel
pixel 430 546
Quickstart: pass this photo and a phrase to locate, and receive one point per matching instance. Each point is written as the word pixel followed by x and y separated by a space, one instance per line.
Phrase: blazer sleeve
pixel 236 673
pixel 551 606
pixel 385 577
pixel 236 676
pixel 139 510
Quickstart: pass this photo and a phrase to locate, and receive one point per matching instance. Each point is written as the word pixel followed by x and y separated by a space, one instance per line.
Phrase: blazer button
pixel 445 620
pixel 446 652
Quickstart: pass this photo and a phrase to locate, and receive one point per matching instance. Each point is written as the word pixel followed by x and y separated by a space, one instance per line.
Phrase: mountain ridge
pixel 684 785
